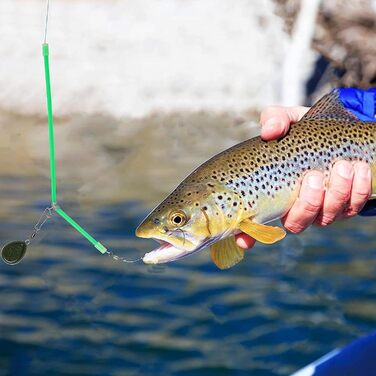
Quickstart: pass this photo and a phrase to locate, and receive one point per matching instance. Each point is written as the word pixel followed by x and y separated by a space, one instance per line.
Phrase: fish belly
pixel 271 209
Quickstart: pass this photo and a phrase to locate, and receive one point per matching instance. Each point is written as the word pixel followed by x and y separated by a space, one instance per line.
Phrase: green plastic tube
pixel 100 247
pixel 50 124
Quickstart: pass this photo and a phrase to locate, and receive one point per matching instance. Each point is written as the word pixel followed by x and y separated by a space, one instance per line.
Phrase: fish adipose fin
pixel 262 233
pixel 330 107
pixel 226 253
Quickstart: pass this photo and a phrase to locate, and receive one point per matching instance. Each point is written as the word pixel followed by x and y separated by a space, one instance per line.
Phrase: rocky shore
pixel 345 36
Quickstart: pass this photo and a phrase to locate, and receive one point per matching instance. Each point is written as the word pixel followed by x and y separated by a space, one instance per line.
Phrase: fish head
pixel 188 220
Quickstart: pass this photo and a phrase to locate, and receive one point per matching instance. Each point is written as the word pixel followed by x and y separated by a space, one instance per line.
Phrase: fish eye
pixel 178 219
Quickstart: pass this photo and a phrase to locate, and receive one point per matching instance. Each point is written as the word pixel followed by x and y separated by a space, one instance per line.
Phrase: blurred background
pixel 144 92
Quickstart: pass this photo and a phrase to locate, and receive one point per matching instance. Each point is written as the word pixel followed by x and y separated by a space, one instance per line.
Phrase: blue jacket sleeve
pixel 362 103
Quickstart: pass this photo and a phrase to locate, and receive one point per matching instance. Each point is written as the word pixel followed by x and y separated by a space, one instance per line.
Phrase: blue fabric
pixel 356 359
pixel 369 209
pixel 362 103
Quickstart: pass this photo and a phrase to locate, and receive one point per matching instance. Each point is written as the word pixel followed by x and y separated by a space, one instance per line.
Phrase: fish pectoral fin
pixel 262 233
pixel 226 253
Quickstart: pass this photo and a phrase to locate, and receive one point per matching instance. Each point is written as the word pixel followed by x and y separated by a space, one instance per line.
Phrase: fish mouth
pixel 167 252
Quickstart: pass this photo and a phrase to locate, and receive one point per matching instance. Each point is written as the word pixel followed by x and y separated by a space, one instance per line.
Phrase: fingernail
pixel 345 170
pixel 273 124
pixel 315 182
pixel 364 171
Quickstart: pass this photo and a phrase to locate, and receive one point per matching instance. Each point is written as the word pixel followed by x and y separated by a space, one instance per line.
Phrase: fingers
pixel 348 190
pixel 308 205
pixel 338 193
pixel 361 189
pixel 275 121
pixel 244 241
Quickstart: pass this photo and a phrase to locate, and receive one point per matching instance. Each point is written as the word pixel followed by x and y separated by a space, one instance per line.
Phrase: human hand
pixel 349 185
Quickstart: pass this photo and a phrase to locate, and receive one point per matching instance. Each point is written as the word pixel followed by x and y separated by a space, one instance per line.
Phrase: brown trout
pixel 253 183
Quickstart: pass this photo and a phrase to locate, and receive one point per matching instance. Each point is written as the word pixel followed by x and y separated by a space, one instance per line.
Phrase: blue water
pixel 68 310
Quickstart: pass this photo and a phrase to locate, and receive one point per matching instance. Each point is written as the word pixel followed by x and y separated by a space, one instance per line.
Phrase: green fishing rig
pixel 13 252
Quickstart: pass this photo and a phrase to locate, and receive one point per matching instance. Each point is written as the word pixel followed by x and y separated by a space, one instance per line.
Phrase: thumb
pixel 275 121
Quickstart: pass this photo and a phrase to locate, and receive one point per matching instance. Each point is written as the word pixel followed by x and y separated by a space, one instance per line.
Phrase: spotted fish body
pixel 255 182
pixel 265 175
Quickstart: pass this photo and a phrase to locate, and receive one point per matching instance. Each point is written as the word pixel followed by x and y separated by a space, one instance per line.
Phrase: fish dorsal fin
pixel 226 253
pixel 262 233
pixel 329 107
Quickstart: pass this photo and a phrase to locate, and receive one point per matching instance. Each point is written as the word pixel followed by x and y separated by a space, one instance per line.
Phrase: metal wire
pixel 122 259
pixel 46 215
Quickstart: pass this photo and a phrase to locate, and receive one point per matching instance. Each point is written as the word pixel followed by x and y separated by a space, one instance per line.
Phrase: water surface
pixel 67 310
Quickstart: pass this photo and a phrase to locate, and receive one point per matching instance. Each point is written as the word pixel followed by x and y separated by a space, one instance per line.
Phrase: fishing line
pixel 13 252
pixel 46 22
